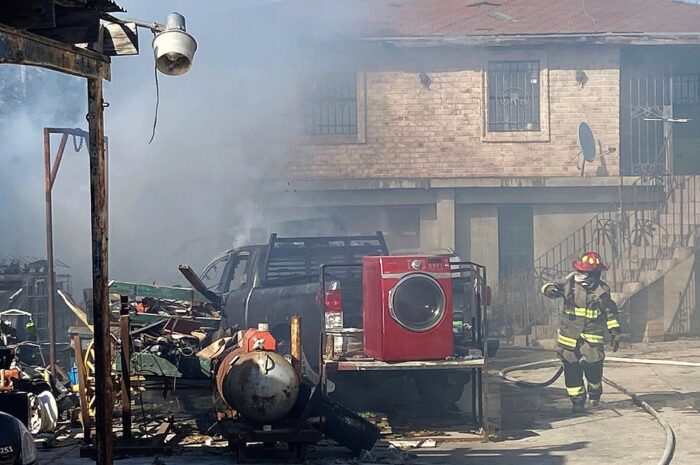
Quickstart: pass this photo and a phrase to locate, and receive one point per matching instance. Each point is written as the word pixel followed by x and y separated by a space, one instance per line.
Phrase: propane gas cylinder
pixel 261 386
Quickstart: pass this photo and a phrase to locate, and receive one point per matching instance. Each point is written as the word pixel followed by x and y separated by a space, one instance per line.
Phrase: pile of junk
pixel 263 396
pixel 28 389
pixel 261 393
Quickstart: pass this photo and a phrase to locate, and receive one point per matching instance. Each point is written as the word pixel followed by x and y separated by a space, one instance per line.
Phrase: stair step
pixel 630 288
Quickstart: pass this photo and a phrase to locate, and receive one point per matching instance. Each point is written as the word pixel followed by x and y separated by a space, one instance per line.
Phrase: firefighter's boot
pixel 578 403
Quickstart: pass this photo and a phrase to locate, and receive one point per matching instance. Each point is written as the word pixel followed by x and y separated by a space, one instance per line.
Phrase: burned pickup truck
pixel 437 302
pixel 272 282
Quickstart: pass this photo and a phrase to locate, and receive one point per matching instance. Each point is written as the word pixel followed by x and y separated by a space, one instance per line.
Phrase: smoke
pixel 194 191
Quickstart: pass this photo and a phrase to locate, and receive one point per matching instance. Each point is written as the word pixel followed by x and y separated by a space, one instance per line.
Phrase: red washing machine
pixel 407 307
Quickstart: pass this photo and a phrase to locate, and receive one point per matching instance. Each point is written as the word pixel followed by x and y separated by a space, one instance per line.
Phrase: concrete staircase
pixel 658 239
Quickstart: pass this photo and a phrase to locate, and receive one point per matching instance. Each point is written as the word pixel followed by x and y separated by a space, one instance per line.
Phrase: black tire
pixel 348 428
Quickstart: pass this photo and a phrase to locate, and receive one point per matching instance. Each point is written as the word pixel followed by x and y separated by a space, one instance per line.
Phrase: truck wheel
pixel 440 389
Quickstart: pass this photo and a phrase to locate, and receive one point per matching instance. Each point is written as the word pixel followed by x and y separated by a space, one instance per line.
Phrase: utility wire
pixel 155 116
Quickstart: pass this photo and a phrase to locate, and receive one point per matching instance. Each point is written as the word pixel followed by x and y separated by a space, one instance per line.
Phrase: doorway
pixel 515 239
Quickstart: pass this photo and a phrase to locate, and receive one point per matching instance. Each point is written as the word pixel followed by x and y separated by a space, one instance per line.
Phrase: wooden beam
pixel 104 403
pixel 24 48
pixel 125 336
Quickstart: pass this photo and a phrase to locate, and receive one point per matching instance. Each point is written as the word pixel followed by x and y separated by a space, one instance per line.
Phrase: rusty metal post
pixel 125 336
pixel 49 179
pixel 296 349
pixel 50 278
pixel 104 404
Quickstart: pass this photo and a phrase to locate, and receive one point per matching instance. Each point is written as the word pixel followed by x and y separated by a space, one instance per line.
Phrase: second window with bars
pixel 513 96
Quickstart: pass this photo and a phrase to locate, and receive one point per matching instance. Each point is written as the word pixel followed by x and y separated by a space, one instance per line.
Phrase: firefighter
pixel 588 312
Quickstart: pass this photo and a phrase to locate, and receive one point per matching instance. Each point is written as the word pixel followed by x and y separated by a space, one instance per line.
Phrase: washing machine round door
pixel 417 302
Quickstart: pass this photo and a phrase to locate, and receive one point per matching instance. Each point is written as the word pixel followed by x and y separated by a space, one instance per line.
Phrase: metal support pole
pixel 104 404
pixel 50 278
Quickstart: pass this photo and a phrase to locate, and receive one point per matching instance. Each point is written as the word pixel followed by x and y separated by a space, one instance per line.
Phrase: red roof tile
pixel 411 18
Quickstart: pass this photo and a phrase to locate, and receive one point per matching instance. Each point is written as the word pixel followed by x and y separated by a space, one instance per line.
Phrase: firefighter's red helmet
pixel 590 261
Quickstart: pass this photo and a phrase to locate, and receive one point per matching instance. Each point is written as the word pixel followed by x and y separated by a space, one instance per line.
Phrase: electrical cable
pixel 155 116
pixel 670 435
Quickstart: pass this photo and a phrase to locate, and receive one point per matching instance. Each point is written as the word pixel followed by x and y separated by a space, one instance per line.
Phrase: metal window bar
pixel 685 89
pixel 330 104
pixel 513 96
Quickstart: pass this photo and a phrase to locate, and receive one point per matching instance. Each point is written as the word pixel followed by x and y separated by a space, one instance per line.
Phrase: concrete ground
pixel 534 426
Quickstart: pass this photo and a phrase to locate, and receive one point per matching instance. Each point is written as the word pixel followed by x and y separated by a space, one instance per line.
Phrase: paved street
pixel 534 426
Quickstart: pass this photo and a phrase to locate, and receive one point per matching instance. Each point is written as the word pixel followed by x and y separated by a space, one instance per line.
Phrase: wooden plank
pixel 82 316
pixel 24 48
pixel 84 413
pixel 162 432
pixel 134 290
pixel 126 362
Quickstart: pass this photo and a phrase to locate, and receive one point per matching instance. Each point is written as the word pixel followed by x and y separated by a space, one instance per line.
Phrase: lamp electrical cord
pixel 670 436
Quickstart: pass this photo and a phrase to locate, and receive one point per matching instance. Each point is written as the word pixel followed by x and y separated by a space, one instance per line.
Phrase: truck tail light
pixel 333 305
pixel 334 299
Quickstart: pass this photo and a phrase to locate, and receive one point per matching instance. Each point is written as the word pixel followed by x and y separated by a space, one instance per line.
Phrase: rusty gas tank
pixel 260 385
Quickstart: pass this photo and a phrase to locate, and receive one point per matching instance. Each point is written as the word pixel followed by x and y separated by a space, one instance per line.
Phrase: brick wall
pixel 438 132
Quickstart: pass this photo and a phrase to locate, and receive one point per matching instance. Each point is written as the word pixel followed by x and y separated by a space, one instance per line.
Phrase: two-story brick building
pixel 455 123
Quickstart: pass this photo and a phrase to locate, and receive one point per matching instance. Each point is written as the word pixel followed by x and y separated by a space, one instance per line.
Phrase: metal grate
pixel 330 104
pixel 685 89
pixel 514 96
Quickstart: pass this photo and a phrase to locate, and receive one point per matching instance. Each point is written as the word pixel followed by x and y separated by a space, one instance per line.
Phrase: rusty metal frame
pixel 50 173
pixel 24 48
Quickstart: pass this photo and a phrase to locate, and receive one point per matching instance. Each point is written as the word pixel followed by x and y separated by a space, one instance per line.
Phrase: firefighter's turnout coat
pixel 588 312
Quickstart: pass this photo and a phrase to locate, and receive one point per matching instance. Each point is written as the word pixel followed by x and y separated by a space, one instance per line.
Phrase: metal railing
pixel 654 217
pixel 682 320
pixel 518 305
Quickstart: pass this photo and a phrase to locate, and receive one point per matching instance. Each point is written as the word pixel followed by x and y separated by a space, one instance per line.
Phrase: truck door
pixel 236 285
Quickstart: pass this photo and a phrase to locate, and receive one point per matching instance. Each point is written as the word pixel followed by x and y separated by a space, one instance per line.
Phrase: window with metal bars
pixel 686 89
pixel 330 104
pixel 513 96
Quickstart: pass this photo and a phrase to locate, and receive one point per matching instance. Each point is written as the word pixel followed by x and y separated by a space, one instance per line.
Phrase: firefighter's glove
pixel 553 290
pixel 615 341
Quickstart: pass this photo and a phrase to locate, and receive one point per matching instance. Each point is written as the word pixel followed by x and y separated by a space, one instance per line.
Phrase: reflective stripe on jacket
pixel 587 314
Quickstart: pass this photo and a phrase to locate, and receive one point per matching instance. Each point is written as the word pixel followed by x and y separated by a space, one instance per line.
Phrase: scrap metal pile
pixel 168 326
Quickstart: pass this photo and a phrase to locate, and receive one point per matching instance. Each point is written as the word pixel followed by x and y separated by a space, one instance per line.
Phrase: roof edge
pixel 595 38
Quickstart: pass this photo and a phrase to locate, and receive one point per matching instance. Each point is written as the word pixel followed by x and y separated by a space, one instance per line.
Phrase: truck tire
pixel 339 423
pixel 440 389
pixel 348 428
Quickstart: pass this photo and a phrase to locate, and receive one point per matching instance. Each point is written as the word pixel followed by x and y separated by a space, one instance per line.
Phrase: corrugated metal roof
pixel 411 18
